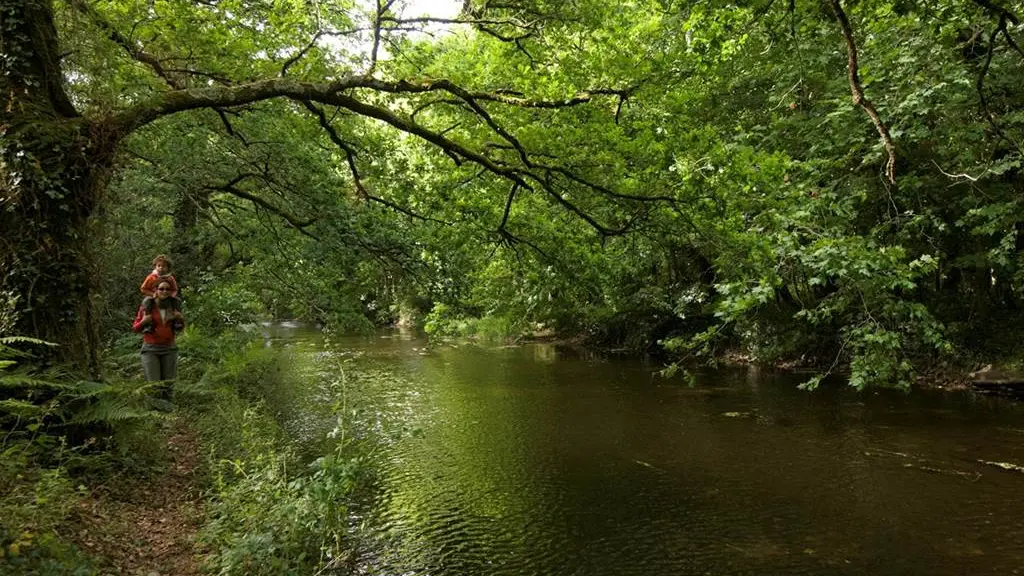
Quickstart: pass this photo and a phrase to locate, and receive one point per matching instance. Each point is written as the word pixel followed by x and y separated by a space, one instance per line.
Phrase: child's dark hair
pixel 162 258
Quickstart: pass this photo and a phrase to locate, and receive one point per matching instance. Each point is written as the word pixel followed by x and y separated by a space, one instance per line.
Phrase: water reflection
pixel 532 460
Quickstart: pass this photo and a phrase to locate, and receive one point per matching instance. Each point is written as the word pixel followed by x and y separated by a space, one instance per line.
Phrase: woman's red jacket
pixel 162 334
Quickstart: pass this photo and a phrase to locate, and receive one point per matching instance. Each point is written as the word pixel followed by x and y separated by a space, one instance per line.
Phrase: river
pixel 537 460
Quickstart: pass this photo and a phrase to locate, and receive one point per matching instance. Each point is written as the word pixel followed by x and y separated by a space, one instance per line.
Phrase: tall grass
pixel 269 511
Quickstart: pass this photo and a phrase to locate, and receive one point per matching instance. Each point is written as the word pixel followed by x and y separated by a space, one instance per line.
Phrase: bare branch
pixel 189 72
pixel 980 83
pixel 429 103
pixel 212 96
pixel 998 10
pixel 450 146
pixel 607 191
pixel 232 188
pixel 858 91
pixel 510 240
pixel 228 127
pixel 483 21
pixel 333 93
pixel 963 175
pixel 504 38
pixel 508 206
pixel 382 8
pixel 1003 16
pixel 503 96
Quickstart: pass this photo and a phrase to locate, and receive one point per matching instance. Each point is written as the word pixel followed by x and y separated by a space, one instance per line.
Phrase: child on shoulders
pixel 161 273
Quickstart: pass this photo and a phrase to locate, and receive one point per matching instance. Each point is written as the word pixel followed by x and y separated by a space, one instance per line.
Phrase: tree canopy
pixel 833 180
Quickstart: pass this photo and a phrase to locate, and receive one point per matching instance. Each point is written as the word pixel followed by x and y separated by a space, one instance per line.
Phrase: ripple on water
pixel 511 462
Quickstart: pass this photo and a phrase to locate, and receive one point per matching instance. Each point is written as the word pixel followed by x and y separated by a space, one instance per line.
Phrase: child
pixel 161 273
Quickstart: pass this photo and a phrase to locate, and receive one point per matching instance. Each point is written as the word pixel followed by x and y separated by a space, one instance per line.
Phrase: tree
pixel 74 92
pixel 763 202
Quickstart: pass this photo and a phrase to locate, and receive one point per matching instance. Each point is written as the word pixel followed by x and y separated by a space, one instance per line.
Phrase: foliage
pixel 56 432
pixel 270 515
pixel 786 242
pixel 693 174
pixel 270 511
pixel 35 503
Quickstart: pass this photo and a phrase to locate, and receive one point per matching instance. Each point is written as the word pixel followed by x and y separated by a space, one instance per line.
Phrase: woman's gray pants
pixel 160 365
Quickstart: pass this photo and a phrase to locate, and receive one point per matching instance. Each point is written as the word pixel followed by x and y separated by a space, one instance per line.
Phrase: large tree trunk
pixel 53 165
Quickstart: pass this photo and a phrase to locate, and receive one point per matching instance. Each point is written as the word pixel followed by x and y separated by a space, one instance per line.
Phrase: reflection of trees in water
pixel 562 466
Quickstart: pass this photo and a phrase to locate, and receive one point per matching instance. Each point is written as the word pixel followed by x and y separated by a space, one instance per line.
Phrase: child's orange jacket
pixel 153 280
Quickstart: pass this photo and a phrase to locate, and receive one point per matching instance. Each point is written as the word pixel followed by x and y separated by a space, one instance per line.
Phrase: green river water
pixel 537 460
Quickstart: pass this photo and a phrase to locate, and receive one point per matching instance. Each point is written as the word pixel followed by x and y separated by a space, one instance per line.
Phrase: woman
pixel 159 353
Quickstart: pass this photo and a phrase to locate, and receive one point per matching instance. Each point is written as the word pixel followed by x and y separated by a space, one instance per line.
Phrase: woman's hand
pixel 178 316
pixel 146 319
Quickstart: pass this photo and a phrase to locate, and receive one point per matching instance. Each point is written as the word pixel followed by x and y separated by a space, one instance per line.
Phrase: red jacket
pixel 162 333
pixel 153 280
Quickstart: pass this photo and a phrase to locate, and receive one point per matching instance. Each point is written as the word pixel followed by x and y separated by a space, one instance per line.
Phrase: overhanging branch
pixel 350 156
pixel 135 51
pixel 513 174
pixel 337 93
pixel 858 91
pixel 232 188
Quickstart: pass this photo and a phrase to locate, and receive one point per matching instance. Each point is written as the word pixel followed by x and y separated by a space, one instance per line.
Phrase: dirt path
pixel 148 527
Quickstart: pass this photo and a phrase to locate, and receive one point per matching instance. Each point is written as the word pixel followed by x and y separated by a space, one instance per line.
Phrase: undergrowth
pixel 59 436
pixel 269 511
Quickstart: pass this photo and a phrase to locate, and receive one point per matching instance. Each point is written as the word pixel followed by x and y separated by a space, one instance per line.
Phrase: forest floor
pixel 148 526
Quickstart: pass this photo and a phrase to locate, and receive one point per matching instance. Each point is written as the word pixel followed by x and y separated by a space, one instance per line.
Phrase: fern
pixel 112 410
pixel 54 399
pixel 85 389
pixel 25 381
pixel 12 340
pixel 19 408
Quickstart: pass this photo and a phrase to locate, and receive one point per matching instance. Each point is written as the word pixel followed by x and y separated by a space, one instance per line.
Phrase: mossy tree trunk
pixel 53 165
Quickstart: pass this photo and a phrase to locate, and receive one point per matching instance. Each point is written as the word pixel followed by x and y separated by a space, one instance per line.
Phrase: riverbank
pixel 1003 377
pixel 218 485
pixel 208 483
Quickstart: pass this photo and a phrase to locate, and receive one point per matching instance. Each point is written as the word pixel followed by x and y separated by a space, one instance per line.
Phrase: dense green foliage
pixel 661 176
pixel 270 510
pixel 653 175
pixel 57 433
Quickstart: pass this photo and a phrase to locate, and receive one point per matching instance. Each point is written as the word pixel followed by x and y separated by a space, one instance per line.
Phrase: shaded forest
pixel 832 184
pixel 837 182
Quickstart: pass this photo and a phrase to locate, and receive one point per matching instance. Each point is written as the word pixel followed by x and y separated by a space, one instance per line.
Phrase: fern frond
pixel 11 340
pixel 9 353
pixel 85 389
pixel 24 381
pixel 109 411
pixel 141 388
pixel 19 407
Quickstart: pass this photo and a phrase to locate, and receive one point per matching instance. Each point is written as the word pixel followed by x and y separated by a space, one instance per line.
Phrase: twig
pixel 962 175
